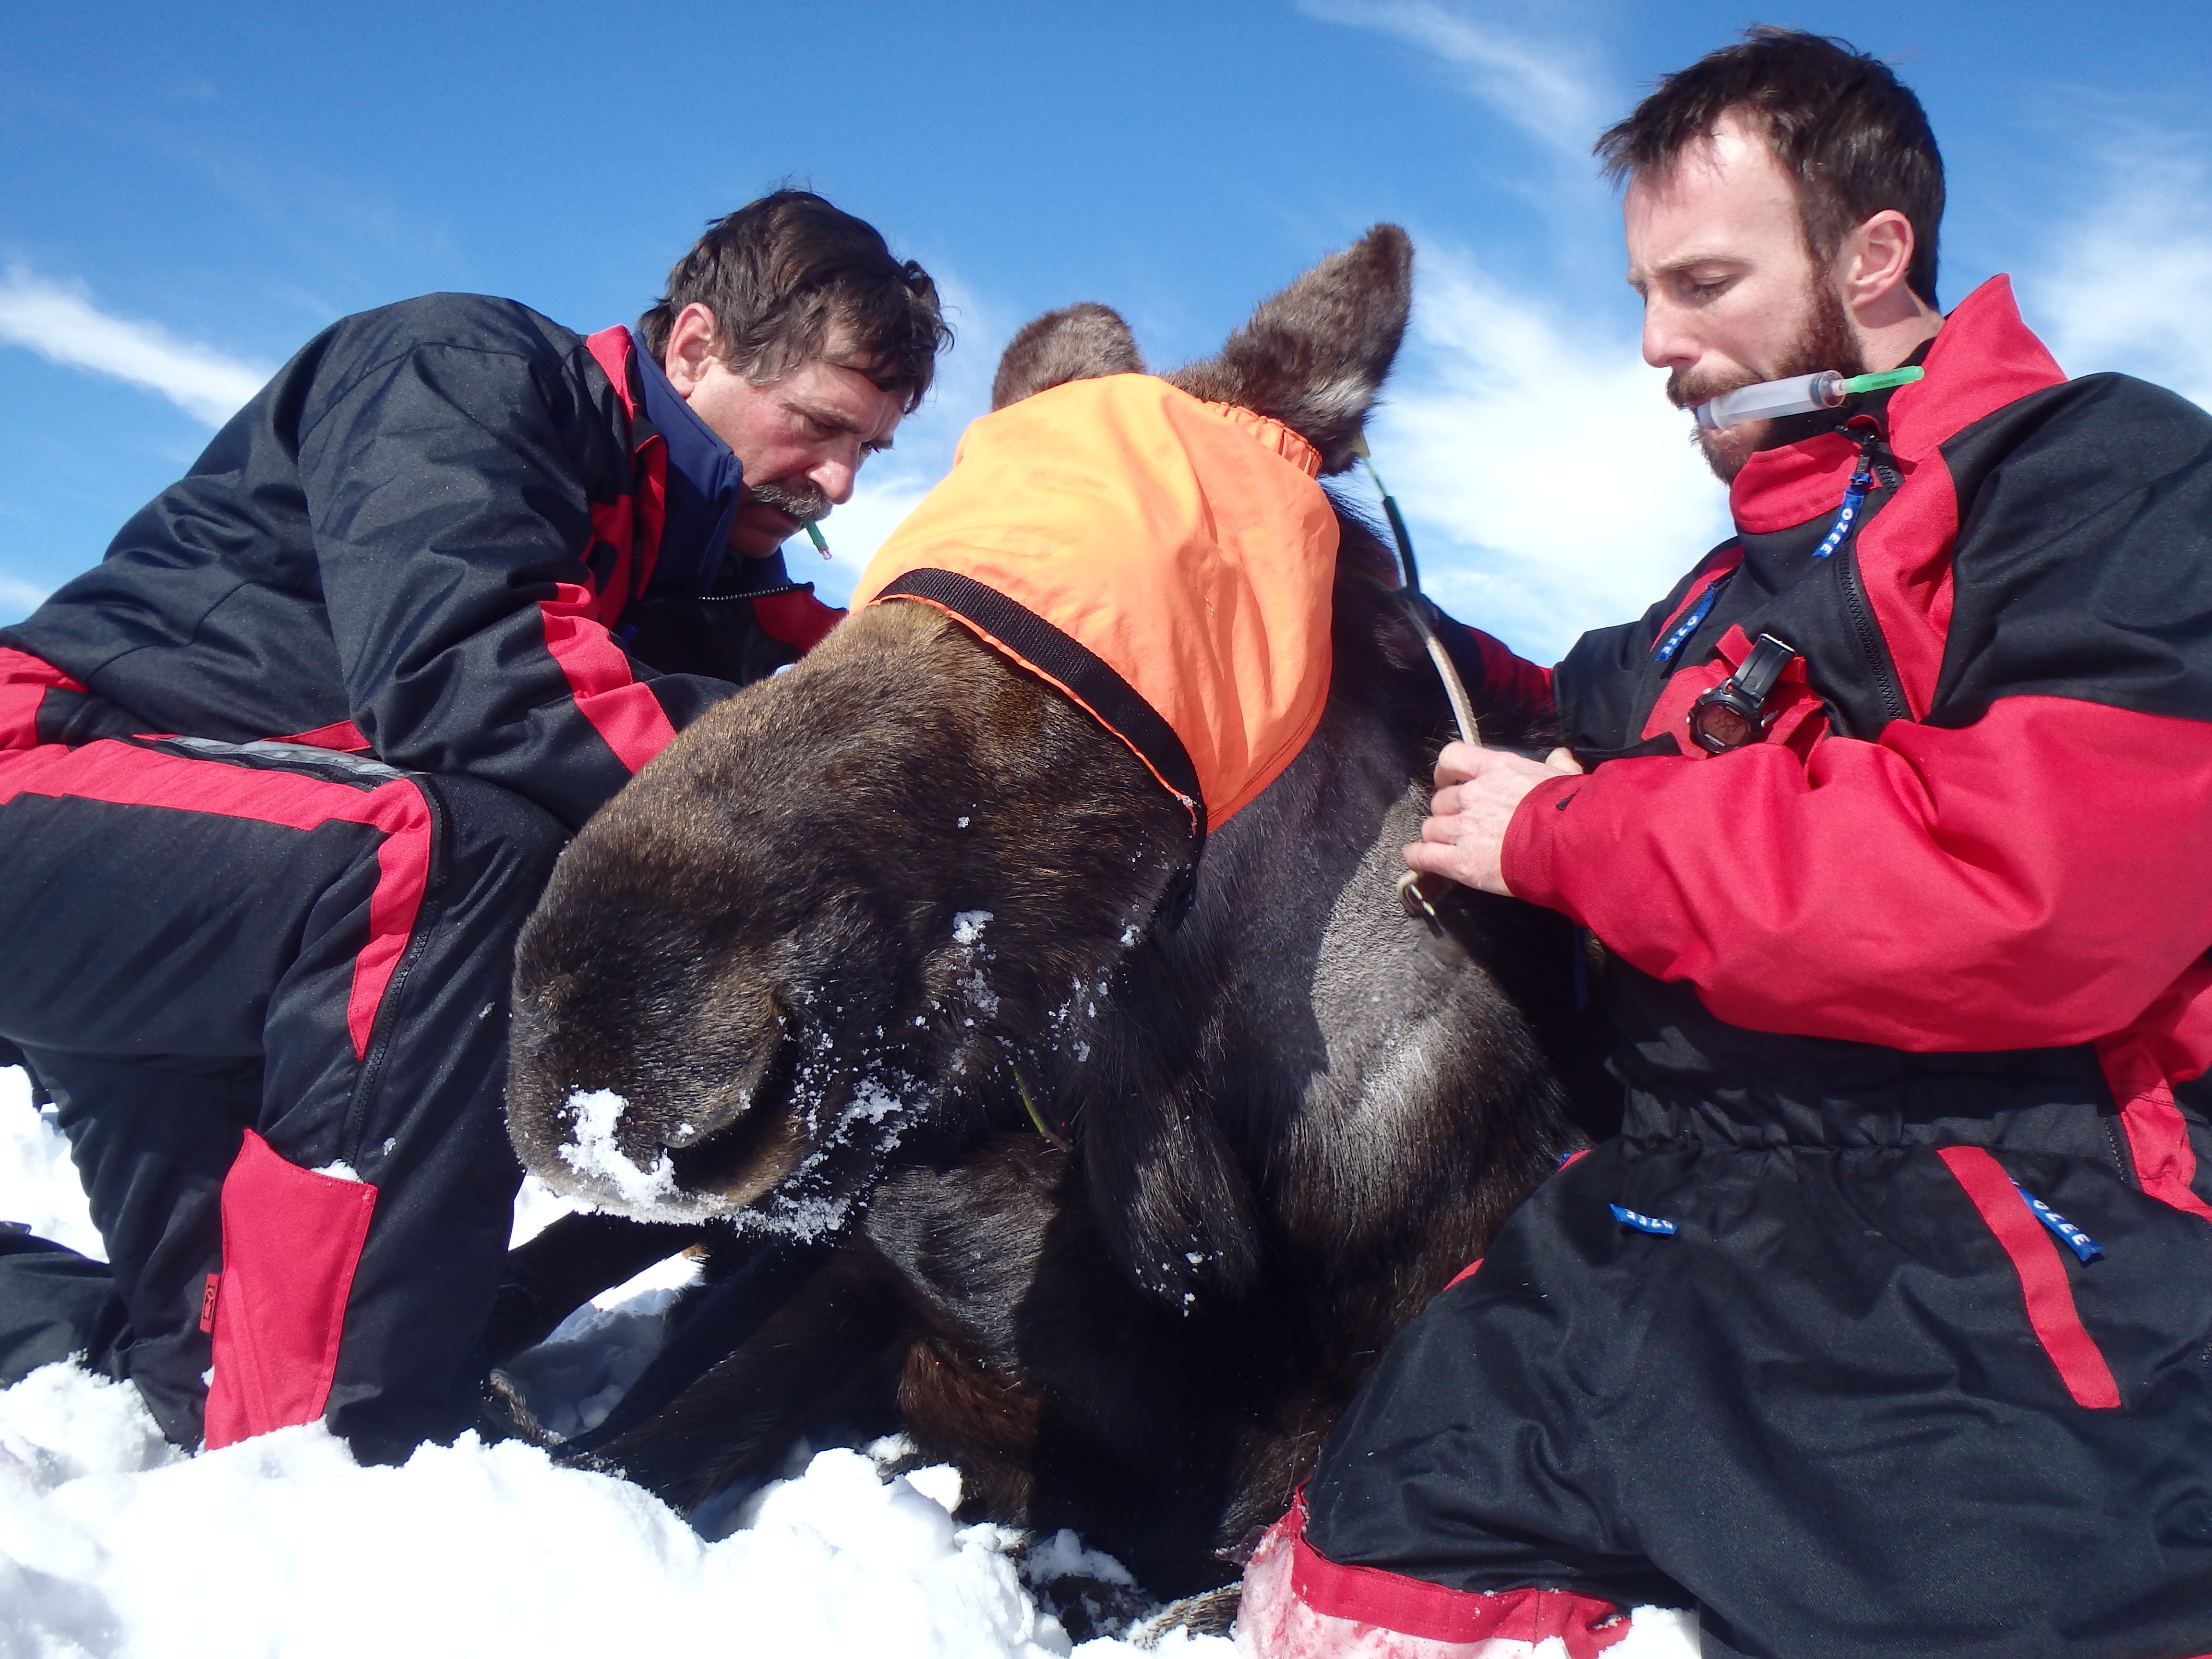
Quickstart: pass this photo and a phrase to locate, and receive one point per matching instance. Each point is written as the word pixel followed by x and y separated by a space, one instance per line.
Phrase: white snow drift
pixel 115 1546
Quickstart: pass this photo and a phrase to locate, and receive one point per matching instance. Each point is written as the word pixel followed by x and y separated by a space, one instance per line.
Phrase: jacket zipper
pixel 1869 636
pixel 2121 1160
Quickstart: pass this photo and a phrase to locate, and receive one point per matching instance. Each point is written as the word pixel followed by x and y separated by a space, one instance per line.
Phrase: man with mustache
pixel 281 778
pixel 1884 1327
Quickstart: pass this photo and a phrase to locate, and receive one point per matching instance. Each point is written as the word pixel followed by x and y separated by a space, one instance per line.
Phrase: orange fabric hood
pixel 1167 562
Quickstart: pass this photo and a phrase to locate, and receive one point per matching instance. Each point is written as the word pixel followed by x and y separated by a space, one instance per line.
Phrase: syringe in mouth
pixel 1800 394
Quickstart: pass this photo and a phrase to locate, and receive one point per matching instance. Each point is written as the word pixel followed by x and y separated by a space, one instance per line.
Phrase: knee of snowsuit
pixel 266 985
pixel 1828 1376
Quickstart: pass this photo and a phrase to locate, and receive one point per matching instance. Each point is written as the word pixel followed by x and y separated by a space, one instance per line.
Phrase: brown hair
pixel 1853 134
pixel 782 273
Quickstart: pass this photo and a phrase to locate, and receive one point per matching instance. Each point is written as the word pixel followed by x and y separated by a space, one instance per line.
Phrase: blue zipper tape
pixel 2069 1235
pixel 1847 515
pixel 1643 1223
pixel 1679 635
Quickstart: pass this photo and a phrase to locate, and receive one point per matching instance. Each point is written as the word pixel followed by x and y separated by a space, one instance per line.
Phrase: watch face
pixel 1717 727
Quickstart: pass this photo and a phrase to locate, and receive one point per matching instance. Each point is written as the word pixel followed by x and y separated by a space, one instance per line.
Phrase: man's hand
pixel 1477 791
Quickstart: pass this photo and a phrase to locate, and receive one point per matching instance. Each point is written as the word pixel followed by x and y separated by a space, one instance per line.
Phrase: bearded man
pixel 1884 1327
pixel 281 778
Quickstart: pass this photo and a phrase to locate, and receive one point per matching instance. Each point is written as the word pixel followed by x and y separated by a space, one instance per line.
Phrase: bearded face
pixel 1824 339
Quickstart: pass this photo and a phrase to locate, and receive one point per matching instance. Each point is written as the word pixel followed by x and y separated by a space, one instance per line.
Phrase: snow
pixel 572 1380
pixel 967 926
pixel 111 1544
pixel 596 1154
pixel 799 1208
pixel 114 1544
pixel 38 1184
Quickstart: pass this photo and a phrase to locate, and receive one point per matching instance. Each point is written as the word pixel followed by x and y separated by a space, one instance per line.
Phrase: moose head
pixel 836 914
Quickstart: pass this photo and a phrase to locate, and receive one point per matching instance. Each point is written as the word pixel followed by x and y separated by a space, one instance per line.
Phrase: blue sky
pixel 191 193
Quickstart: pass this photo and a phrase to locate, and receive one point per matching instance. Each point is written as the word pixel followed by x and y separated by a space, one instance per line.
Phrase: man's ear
pixel 1872 267
pixel 691 348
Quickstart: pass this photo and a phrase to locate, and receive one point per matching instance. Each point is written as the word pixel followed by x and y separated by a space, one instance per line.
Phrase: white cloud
pixel 18 597
pixel 2131 287
pixel 1549 486
pixel 1541 89
pixel 62 326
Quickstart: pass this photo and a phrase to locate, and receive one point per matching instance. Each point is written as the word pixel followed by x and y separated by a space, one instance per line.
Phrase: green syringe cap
pixel 1883 381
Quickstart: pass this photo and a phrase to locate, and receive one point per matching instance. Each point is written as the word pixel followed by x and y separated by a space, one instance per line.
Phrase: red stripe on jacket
pixel 1298 1604
pixel 2050 1311
pixel 1725 565
pixel 620 707
pixel 342 735
pixel 631 526
pixel 24 681
pixel 125 775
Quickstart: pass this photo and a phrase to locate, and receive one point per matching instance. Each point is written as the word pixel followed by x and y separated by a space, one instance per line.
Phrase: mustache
pixel 805 502
pixel 1689 391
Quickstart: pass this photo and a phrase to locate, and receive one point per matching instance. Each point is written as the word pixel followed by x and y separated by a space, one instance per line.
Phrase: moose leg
pixel 960 1411
pixel 796 1371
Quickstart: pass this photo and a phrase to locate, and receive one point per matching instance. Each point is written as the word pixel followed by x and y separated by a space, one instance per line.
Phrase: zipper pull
pixel 1877 462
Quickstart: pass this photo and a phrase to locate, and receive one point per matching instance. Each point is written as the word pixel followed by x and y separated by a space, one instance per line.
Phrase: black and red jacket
pixel 1981 820
pixel 433 537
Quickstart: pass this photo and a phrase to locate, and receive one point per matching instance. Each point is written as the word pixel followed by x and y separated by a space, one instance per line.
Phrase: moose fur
pixel 1077 342
pixel 1268 1125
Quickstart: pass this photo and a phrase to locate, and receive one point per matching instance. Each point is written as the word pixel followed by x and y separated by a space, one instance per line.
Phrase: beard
pixel 1825 342
pixel 805 502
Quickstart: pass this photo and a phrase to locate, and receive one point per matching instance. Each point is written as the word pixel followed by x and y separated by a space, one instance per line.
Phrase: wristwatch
pixel 1734 713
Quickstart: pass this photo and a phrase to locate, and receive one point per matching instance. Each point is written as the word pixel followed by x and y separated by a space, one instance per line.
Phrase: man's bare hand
pixel 1477 791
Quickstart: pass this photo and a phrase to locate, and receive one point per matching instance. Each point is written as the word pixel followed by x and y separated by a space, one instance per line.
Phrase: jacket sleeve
pixel 1509 694
pixel 446 489
pixel 2032 865
pixel 1508 680
pixel 2037 877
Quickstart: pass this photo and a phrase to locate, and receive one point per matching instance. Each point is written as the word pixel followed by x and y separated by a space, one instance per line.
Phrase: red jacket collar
pixel 1982 358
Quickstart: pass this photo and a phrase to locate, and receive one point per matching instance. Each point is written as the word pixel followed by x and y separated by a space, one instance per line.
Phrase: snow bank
pixel 115 1546
pixel 110 1544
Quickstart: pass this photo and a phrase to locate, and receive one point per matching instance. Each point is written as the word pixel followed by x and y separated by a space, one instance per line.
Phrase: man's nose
pixel 1666 343
pixel 834 477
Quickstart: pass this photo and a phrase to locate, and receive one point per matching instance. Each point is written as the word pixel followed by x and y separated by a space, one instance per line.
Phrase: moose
pixel 893 974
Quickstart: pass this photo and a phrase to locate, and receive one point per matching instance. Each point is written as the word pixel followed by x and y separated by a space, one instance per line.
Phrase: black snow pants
pixel 1852 1380
pixel 266 987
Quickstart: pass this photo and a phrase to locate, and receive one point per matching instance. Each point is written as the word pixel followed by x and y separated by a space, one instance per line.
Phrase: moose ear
pixel 1314 356
pixel 1077 342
